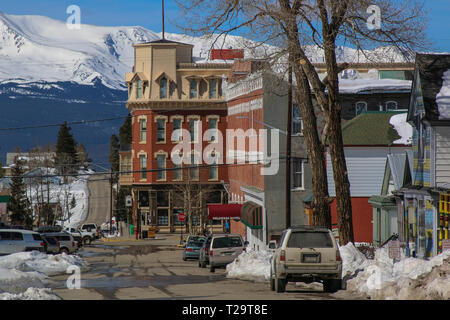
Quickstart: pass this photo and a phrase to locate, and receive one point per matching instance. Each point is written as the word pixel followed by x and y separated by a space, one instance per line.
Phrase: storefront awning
pixel 251 215
pixel 224 211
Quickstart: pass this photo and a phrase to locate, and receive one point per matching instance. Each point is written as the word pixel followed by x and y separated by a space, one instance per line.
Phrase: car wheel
pixel 87 240
pixel 212 268
pixel 184 258
pixel 280 285
pixel 202 264
pixel 332 285
pixel 64 250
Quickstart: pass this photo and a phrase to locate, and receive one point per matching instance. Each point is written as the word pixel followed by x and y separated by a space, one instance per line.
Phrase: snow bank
pixel 31 294
pixel 251 265
pixel 443 97
pixel 352 260
pixel 383 279
pixel 23 275
pixel 403 128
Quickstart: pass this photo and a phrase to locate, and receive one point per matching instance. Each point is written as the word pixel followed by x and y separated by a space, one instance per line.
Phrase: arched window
pixel 163 88
pixel 360 107
pixel 193 89
pixel 391 105
pixel 139 88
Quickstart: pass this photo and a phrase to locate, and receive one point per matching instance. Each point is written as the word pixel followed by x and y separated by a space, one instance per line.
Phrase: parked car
pixel 91 227
pixel 51 244
pixel 203 258
pixel 224 248
pixel 18 240
pixel 192 237
pixel 84 237
pixel 192 249
pixel 306 254
pixel 66 241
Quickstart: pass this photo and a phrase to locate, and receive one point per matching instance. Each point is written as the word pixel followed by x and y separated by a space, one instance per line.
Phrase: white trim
pixel 245 107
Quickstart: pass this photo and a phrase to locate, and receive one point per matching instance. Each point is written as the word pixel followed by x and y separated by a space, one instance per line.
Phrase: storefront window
pixel 163 217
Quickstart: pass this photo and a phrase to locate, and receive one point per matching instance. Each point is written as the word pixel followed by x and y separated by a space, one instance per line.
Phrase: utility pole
pixel 110 203
pixel 288 150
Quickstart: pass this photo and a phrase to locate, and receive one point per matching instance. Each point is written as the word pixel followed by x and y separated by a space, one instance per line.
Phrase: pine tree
pixel 2 171
pixel 66 160
pixel 19 204
pixel 125 136
pixel 114 153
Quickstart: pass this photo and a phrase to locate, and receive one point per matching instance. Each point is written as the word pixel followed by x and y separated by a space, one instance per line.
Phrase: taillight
pixel 73 243
pixel 189 249
pixel 42 244
pixel 338 256
pixel 283 255
pixel 210 252
pixel 243 249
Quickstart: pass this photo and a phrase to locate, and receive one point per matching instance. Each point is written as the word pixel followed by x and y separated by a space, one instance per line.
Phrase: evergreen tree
pixel 19 202
pixel 125 136
pixel 2 171
pixel 83 156
pixel 66 160
pixel 114 153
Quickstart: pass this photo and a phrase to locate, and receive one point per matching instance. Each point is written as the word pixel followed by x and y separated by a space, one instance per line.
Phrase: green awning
pixel 308 197
pixel 251 215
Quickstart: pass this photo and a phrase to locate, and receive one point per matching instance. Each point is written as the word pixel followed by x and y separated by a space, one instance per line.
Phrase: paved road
pixel 154 269
pixel 99 200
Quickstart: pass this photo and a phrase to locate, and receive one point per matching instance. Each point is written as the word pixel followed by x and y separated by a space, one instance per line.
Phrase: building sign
pixel 128 201
pixel 394 249
pixel 445 245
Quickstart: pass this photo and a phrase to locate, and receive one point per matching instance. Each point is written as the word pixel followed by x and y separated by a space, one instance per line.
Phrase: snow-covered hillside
pixel 38 48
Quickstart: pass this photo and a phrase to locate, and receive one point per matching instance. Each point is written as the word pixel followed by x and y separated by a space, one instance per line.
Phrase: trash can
pixel 131 229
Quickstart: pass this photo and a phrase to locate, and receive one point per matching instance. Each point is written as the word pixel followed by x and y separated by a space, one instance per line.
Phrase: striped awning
pixel 251 215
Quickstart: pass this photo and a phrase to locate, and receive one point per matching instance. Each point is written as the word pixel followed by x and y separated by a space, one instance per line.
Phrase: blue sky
pixel 147 13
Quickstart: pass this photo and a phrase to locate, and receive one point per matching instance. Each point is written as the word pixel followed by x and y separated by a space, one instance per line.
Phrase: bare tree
pixel 293 27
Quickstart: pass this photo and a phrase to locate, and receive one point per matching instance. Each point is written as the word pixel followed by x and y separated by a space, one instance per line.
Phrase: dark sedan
pixel 192 250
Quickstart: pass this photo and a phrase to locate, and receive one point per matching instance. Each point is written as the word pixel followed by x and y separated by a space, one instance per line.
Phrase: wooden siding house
pixel 425 203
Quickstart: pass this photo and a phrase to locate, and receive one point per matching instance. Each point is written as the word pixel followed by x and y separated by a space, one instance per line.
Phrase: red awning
pixel 224 211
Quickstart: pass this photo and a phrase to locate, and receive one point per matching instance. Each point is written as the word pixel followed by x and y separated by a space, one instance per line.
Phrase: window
pixel 193 89
pixel 143 163
pixel 163 88
pixel 177 173
pixel 297 124
pixel 162 199
pixel 161 164
pixel 163 217
pixel 391 106
pixel 193 172
pixel 130 89
pixel 212 123
pixel 143 130
pixel 297 173
pixel 212 88
pixel 143 199
pixel 160 130
pixel 139 88
pixel 213 170
pixel 310 240
pixel 360 107
pixel 193 129
pixel 17 236
pixel 177 135
pixel 125 165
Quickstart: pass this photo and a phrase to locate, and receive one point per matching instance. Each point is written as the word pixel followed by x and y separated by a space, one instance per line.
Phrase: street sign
pixel 445 245
pixel 128 201
pixel 181 216
pixel 394 249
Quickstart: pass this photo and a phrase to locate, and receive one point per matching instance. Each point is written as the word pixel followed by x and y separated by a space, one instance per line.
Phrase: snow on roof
pixel 358 85
pixel 443 97
pixel 403 128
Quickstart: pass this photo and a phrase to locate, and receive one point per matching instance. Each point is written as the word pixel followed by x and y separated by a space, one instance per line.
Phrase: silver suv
pixel 306 254
pixel 18 240
pixel 224 248
pixel 67 243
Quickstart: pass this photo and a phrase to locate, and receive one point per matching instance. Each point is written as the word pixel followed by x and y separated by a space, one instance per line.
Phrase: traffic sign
pixel 181 216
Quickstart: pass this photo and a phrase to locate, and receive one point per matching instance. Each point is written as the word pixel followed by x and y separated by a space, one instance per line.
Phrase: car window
pixel 16 236
pixel 282 239
pixel 37 237
pixel 306 239
pixel 51 240
pixel 195 244
pixel 227 242
pixel 5 235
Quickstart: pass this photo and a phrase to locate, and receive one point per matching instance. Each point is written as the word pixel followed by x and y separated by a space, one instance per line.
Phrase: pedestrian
pixel 227 226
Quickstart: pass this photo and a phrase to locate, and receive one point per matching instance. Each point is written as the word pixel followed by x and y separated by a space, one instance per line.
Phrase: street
pixel 154 269
pixel 99 204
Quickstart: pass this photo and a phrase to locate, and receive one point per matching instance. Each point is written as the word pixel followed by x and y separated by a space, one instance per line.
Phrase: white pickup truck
pixel 86 236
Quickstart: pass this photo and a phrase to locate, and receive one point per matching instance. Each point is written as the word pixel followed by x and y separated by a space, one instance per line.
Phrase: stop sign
pixel 181 216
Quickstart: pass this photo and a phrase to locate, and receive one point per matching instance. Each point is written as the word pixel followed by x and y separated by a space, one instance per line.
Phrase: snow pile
pixel 443 97
pixel 30 294
pixel 23 274
pixel 252 265
pixel 410 278
pixel 352 260
pixel 403 128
